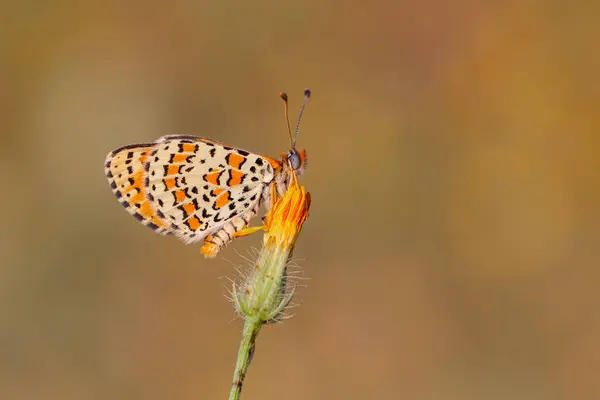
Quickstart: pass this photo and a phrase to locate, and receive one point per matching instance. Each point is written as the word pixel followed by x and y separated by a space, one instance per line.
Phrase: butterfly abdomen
pixel 217 240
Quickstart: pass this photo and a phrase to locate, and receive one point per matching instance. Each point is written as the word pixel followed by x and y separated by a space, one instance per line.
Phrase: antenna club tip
pixel 283 96
pixel 307 93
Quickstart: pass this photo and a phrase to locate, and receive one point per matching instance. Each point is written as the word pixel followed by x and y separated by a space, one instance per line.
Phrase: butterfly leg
pixel 247 231
pixel 271 198
pixel 250 230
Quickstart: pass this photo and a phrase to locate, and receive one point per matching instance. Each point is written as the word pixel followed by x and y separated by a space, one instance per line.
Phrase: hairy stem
pixel 245 352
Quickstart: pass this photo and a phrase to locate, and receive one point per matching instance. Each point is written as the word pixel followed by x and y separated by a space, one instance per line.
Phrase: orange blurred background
pixel 454 239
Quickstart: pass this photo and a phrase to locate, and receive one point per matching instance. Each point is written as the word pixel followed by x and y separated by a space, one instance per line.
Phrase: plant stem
pixel 250 332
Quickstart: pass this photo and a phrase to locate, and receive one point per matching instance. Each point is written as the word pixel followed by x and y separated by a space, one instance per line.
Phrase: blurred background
pixel 453 247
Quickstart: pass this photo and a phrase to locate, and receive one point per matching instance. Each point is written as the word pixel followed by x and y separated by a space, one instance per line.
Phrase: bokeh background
pixel 453 244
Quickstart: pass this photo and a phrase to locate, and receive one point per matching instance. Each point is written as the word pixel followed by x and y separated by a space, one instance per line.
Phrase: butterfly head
pixel 294 160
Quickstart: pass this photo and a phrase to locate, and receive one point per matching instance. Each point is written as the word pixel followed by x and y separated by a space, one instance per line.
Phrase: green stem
pixel 245 352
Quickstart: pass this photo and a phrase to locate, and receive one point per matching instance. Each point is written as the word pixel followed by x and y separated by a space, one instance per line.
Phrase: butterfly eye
pixel 294 160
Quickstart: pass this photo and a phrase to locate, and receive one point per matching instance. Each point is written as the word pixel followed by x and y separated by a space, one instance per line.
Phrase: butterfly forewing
pixel 124 169
pixel 197 185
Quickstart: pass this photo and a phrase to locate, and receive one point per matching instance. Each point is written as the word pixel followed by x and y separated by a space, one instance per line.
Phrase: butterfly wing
pixel 198 185
pixel 124 168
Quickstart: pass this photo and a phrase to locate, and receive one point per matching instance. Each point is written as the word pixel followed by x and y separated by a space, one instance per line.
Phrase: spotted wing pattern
pixel 124 169
pixel 200 187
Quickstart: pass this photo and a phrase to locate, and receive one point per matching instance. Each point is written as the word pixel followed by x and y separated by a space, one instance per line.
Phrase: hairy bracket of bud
pixel 264 294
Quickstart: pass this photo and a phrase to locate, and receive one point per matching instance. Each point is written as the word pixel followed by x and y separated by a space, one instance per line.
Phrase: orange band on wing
pixel 173 170
pixel 213 177
pixel 223 200
pixel 188 147
pixel 235 160
pixel 193 223
pixel 179 196
pixel 180 158
pixel 236 177
pixel 169 183
pixel 189 208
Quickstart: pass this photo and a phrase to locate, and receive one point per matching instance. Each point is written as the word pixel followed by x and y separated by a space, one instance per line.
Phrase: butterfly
pixel 198 189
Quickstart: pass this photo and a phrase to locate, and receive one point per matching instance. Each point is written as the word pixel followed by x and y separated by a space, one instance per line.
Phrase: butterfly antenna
pixel 284 97
pixel 306 97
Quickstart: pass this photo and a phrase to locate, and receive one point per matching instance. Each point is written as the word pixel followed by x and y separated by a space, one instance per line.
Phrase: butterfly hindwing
pixel 124 169
pixel 197 185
